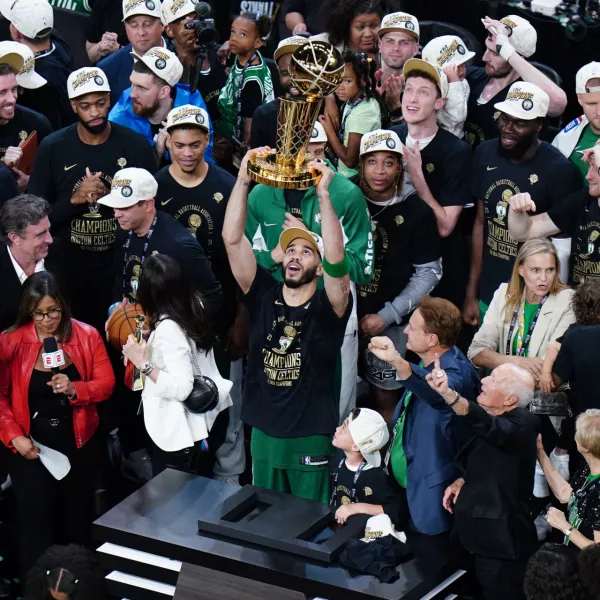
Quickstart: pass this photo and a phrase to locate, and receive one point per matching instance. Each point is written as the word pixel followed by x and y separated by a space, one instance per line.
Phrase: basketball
pixel 317 69
pixel 122 323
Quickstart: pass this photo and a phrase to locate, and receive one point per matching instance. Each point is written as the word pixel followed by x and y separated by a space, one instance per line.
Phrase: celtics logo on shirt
pixel 285 341
pixel 591 246
pixel 135 280
pixel 497 199
pixel 502 207
pixel 282 355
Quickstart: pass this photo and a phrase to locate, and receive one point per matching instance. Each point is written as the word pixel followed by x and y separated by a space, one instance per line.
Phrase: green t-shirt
pixel 529 313
pixel 587 140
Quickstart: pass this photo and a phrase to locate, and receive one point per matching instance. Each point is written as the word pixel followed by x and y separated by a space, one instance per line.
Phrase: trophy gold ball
pixel 316 70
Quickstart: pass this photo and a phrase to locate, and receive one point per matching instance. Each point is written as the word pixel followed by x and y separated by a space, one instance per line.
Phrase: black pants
pixel 500 579
pixel 198 459
pixel 51 511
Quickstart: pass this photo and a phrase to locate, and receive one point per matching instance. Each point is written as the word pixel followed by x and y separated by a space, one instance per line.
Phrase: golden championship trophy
pixel 316 70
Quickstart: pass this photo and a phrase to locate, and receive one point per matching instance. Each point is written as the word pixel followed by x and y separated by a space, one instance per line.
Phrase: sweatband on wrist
pixel 506 50
pixel 338 270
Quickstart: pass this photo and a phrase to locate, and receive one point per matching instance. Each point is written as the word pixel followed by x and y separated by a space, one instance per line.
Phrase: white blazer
pixel 168 423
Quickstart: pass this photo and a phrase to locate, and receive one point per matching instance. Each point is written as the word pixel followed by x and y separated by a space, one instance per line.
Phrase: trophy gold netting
pixel 316 70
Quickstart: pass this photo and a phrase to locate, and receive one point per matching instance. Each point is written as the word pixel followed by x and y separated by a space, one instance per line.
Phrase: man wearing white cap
pixel 398 42
pixel 439 165
pixel 449 53
pixel 584 131
pixel 509 42
pixel 577 215
pixel 154 91
pixel 518 161
pixel 408 262
pixel 264 121
pixel 31 25
pixel 318 142
pixel 73 169
pixel 144 28
pixel 16 122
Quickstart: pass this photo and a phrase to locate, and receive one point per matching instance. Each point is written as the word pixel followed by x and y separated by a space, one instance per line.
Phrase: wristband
pixel 338 270
pixel 505 50
pixel 456 399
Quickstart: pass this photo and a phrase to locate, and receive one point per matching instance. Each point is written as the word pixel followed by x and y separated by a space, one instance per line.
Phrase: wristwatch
pixel 147 367
pixel 568 532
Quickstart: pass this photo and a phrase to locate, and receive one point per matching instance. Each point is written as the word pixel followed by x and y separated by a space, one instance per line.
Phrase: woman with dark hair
pixel 66 573
pixel 552 574
pixel 180 339
pixel 55 407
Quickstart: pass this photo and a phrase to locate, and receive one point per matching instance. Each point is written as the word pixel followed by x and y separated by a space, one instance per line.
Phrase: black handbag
pixel 204 396
pixel 555 404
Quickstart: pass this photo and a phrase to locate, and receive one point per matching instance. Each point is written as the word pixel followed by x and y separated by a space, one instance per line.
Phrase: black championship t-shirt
pixel 482 119
pixel 264 125
pixel 405 234
pixel 293 354
pixel 201 209
pixel 547 177
pixel 293 202
pixel 579 216
pixel 447 167
pixel 20 126
pixel 372 486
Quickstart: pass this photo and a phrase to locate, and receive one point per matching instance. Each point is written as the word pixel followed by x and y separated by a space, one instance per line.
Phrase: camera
pixel 203 26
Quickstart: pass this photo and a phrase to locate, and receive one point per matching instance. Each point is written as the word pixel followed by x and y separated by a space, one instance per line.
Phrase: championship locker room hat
pixel 446 50
pixel 9 56
pixel 289 46
pixel 32 17
pixel 318 134
pixel 587 72
pixel 130 186
pixel 151 8
pixel 87 80
pixel 417 64
pixel 400 21
pixel 163 63
pixel 293 233
pixel 525 101
pixel 188 115
pixel 381 526
pixel 380 140
pixel 26 77
pixel 522 36
pixel 172 10
pixel 369 432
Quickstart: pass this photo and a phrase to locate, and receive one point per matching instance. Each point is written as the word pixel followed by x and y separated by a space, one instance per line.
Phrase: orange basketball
pixel 122 323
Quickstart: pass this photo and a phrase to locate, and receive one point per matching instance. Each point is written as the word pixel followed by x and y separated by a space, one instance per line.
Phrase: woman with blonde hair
pixel 526 314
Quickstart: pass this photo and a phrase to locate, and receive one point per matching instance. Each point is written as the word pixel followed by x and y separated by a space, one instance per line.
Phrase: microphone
pixel 52 357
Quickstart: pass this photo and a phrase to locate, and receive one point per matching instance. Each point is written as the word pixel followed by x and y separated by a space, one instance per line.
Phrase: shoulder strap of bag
pixel 195 366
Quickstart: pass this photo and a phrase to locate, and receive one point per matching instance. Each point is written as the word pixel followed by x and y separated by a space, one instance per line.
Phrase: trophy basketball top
pixel 316 69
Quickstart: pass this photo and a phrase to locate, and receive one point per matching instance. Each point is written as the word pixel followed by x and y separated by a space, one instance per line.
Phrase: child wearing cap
pixel 449 54
pixel 359 484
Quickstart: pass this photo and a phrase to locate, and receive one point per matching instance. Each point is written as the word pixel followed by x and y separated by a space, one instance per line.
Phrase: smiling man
pixel 518 161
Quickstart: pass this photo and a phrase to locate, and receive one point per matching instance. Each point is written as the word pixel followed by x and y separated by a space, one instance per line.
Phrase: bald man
pixel 492 503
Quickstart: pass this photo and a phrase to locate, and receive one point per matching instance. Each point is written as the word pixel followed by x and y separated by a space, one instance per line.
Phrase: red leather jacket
pixel 18 352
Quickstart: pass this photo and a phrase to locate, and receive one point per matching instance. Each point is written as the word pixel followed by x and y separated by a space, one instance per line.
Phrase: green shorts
pixel 297 466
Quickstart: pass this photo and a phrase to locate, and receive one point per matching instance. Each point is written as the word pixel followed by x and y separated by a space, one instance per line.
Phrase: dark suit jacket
pixel 493 510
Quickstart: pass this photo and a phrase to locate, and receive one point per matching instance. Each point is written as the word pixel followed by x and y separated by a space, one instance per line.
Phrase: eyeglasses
pixel 38 316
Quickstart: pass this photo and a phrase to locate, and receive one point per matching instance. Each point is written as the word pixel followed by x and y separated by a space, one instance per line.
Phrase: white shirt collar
pixel 39 266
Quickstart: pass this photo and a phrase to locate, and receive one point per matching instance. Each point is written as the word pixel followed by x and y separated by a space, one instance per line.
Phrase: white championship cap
pixel 31 17
pixel 87 80
pixel 163 63
pixel 188 114
pixel 587 72
pixel 381 526
pixel 522 36
pixel 446 50
pixel 525 101
pixel 130 186
pixel 370 433
pixel 26 77
pixel 289 46
pixel 9 56
pixel 151 8
pixel 318 134
pixel 380 140
pixel 172 10
pixel 416 64
pixel 400 21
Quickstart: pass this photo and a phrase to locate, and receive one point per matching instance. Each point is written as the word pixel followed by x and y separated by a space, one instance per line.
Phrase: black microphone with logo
pixel 53 359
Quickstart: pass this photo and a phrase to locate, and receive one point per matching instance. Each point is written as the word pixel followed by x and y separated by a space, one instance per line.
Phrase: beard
pixel 519 149
pixel 95 128
pixel 307 277
pixel 145 111
pixel 499 73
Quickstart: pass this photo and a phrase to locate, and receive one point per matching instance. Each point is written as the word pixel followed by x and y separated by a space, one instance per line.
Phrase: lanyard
pixel 523 344
pixel 576 498
pixel 126 256
pixel 345 117
pixel 333 500
pixel 238 98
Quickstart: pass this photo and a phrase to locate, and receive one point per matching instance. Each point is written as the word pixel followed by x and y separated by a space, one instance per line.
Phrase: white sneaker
pixel 540 485
pixel 561 464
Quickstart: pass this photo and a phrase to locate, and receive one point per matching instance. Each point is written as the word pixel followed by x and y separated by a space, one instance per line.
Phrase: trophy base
pixel 264 169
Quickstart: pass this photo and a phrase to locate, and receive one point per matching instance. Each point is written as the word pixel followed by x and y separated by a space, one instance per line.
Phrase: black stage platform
pixel 151 543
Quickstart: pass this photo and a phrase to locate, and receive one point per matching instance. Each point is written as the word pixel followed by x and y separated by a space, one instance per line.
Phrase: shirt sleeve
pixel 41 181
pixel 257 134
pixel 364 118
pixel 252 98
pixel 457 169
pixel 263 282
pixel 563 365
pixel 565 213
pixel 566 182
pixel 384 494
pixel 92 27
pixel 474 178
pixel 8 185
pixel 296 6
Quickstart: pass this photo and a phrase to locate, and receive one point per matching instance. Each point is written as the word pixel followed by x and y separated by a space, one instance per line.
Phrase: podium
pixel 151 545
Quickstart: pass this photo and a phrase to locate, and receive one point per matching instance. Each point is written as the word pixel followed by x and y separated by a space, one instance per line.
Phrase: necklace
pixel 374 223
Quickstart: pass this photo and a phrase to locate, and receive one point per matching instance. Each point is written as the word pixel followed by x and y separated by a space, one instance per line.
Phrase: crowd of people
pixel 415 336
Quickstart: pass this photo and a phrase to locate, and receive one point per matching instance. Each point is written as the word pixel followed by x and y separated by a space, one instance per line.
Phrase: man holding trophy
pixel 287 196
